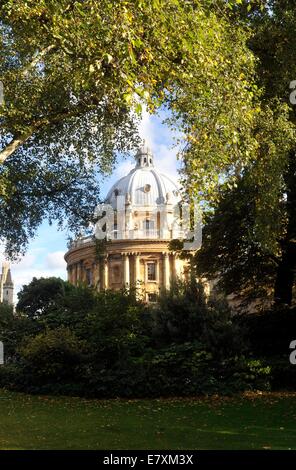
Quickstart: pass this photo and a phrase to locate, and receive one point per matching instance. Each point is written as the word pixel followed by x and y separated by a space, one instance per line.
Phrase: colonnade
pixel 101 276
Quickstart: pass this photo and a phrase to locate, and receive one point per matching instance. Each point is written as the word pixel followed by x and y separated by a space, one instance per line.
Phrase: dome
pixel 144 186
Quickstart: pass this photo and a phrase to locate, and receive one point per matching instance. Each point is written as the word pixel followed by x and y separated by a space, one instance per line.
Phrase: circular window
pixel 147 188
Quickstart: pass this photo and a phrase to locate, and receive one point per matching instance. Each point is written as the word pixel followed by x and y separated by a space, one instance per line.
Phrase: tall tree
pixel 261 249
pixel 75 73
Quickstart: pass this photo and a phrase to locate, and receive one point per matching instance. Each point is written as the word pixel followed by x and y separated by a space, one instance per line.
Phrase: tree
pixel 230 253
pixel 13 329
pixel 42 296
pixel 276 70
pixel 258 246
pixel 76 72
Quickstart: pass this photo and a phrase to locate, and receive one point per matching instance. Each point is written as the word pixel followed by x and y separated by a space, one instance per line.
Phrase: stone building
pixel 6 285
pixel 144 220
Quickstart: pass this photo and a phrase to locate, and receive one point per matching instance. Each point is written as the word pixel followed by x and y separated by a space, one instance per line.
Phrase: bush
pixel 54 354
pixel 73 340
pixel 183 315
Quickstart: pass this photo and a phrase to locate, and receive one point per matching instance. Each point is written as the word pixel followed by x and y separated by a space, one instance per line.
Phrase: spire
pixel 144 157
pixel 6 285
pixel 8 280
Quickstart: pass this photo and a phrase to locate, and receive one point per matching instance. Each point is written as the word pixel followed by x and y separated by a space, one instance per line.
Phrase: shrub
pixel 73 340
pixel 54 354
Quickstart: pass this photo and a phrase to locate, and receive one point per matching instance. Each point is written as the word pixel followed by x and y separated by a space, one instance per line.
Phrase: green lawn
pixel 250 422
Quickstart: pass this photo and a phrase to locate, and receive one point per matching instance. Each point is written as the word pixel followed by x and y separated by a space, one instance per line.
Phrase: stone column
pixel 126 270
pixel 137 269
pixel 178 271
pixel 105 273
pixel 157 272
pixel 78 273
pixel 74 274
pixel 166 271
pixel 97 277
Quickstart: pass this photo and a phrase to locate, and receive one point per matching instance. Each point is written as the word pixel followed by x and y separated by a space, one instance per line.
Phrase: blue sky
pixel 45 254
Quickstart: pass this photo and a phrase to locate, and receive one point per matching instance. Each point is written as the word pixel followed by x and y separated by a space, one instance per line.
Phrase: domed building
pixel 145 216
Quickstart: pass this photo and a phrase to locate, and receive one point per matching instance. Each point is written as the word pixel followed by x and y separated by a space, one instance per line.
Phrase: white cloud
pixel 27 262
pixel 146 129
pixel 161 141
pixel 55 260
pixel 34 264
pixel 123 169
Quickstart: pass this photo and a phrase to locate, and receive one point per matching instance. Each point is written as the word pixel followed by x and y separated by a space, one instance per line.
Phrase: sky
pixel 45 254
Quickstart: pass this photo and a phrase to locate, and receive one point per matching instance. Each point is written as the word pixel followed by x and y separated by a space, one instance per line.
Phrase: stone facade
pixel 137 253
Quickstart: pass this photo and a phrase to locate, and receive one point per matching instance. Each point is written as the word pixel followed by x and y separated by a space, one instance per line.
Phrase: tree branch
pixel 14 145
pixel 19 140
pixel 37 58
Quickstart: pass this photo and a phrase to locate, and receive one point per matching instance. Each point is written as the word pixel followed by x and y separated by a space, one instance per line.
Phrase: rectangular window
pixel 151 271
pixel 116 274
pixel 149 224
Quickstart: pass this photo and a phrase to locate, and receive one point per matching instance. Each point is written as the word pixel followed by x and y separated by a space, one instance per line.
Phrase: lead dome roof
pixel 144 185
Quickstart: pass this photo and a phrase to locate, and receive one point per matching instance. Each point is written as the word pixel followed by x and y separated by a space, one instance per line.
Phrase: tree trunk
pixel 283 292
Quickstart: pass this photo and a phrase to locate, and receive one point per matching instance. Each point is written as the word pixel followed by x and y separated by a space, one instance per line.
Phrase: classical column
pixel 176 267
pixel 137 269
pixel 97 269
pixel 94 269
pixel 126 270
pixel 78 273
pixel 105 273
pixel 74 274
pixel 166 271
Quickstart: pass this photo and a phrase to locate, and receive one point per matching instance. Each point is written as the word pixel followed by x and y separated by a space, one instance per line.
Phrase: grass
pixel 253 421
